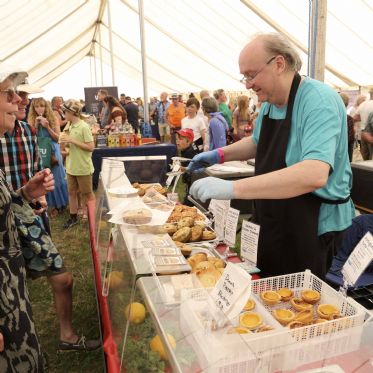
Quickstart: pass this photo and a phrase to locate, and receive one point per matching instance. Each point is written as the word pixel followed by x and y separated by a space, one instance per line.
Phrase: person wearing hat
pixel 77 136
pixel 174 114
pixel 188 149
pixel 18 340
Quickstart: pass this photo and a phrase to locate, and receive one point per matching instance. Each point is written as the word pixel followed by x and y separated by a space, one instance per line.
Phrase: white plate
pixel 122 191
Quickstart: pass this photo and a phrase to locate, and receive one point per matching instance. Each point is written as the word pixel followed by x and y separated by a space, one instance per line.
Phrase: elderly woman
pixel 18 341
pixel 218 126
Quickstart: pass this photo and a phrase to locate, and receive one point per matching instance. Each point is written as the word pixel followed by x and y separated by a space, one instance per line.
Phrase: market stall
pixel 160 306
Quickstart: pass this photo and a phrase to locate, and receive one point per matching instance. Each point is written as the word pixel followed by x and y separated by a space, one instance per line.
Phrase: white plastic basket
pixel 279 349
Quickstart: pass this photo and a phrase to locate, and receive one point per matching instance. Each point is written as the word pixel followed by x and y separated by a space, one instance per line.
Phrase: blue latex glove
pixel 212 187
pixel 201 160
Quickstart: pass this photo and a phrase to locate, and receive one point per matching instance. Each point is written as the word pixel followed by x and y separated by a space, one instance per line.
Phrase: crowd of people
pixel 298 131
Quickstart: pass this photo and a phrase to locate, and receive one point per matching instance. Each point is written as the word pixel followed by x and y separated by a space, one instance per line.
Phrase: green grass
pixel 74 246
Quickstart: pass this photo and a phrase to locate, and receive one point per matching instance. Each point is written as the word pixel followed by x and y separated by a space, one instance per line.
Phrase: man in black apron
pixel 302 174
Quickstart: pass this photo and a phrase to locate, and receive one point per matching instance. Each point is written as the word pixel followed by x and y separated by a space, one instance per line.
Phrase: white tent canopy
pixel 190 44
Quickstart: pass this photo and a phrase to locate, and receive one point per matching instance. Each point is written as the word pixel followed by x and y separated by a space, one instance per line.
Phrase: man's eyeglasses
pixel 249 79
pixel 10 94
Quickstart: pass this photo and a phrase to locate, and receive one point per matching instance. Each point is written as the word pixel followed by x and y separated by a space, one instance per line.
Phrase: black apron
pixel 288 240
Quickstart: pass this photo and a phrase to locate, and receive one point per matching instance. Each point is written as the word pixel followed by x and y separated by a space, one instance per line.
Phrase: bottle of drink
pixel 139 139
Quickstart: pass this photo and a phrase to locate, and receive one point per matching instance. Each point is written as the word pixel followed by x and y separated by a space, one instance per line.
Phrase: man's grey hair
pixel 277 44
pixel 209 105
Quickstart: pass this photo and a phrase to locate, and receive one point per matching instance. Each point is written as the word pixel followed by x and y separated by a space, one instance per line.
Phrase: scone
pixel 196 233
pixel 182 235
pixel 217 262
pixel 137 216
pixel 169 228
pixel 185 222
pixel 208 235
pixel 185 249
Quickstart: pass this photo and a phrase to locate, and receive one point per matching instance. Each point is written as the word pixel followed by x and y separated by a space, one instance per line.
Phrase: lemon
pixel 135 312
pixel 115 279
pixel 156 345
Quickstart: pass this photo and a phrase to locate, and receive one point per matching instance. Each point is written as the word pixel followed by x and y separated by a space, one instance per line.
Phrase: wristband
pixel 221 155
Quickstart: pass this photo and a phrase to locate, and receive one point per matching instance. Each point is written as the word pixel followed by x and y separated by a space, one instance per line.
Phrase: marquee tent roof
pixel 190 44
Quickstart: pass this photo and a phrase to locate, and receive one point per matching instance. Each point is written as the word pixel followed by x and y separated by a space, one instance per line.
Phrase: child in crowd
pixel 187 149
pixel 79 167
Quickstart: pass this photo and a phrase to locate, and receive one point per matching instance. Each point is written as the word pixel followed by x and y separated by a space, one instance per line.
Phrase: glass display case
pixel 165 320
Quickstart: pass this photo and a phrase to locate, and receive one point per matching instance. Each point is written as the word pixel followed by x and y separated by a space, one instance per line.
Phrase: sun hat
pixel 14 74
pixel 73 106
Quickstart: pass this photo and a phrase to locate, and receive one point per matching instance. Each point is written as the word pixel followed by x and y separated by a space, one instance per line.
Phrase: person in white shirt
pixel 195 122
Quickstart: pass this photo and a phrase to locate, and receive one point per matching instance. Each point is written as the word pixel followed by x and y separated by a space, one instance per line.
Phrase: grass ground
pixel 75 249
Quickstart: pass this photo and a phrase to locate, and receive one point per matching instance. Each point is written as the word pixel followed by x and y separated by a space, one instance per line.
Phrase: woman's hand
pixel 43 121
pixel 40 184
pixel 1 342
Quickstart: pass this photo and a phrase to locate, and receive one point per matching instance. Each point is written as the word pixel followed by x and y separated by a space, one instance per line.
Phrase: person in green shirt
pixel 78 139
pixel 221 98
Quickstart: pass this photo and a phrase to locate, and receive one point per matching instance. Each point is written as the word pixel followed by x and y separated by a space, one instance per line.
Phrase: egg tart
pixel 283 316
pixel 310 296
pixel 299 304
pixel 250 320
pixel 264 328
pixel 285 294
pixel 270 297
pixel 295 324
pixel 239 330
pixel 319 321
pixel 250 305
pixel 305 317
pixel 327 311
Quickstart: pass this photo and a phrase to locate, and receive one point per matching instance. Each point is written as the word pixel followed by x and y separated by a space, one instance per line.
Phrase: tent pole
pixel 94 62
pixel 99 40
pixel 318 39
pixel 111 44
pixel 143 60
pixel 90 68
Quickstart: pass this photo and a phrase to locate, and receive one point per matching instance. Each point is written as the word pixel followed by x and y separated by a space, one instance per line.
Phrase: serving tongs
pixel 184 170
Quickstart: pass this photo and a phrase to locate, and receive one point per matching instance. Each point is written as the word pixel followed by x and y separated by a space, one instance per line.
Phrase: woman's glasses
pixel 10 94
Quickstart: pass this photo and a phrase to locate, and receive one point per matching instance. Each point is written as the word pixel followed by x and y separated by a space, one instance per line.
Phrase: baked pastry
pixel 185 222
pixel 250 305
pixel 285 294
pixel 203 266
pixel 185 249
pixel 283 316
pixel 295 324
pixel 199 223
pixel 239 330
pixel 264 328
pixel 250 320
pixel 137 216
pixel 209 278
pixel 208 235
pixel 328 311
pixel 170 228
pixel 182 235
pixel 196 233
pixel 306 317
pixel 270 297
pixel 310 296
pixel 196 258
pixel 217 262
pixel 299 304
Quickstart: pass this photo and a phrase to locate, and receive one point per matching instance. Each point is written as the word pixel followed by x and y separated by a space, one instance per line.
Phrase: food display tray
pixel 282 348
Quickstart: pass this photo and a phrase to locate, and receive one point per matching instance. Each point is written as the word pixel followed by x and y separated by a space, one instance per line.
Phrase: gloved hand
pixel 203 160
pixel 212 187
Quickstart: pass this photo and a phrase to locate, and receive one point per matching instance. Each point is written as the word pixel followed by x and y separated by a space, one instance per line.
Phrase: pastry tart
pixel 250 305
pixel 270 297
pixel 310 296
pixel 328 311
pixel 239 330
pixel 250 320
pixel 285 294
pixel 283 316
pixel 264 328
pixel 295 324
pixel 300 305
pixel 305 317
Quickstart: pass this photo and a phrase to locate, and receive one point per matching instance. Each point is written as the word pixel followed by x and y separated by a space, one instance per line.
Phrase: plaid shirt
pixel 19 157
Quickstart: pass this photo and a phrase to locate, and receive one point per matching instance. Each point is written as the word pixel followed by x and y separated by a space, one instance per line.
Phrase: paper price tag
pixel 358 260
pixel 232 291
pixel 218 202
pixel 175 167
pixel 231 226
pixel 249 241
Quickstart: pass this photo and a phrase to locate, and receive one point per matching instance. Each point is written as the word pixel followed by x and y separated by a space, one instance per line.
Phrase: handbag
pixel 45 151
